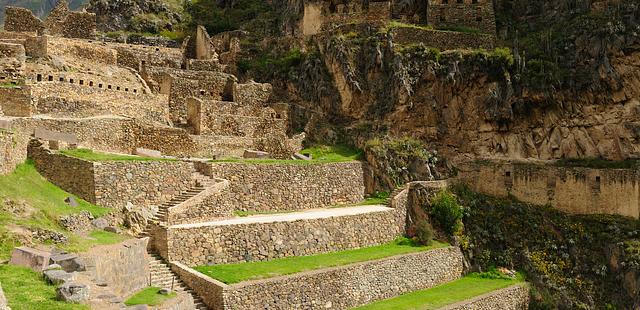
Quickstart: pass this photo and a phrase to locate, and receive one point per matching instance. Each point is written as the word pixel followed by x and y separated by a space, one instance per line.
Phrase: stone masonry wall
pixel 13 150
pixel 21 20
pixel 476 14
pixel 200 245
pixel 16 101
pixel 232 119
pixel 271 187
pixel 124 267
pixel 572 190
pixel 341 287
pixel 142 183
pixel 81 25
pixel 12 62
pixel 71 174
pixel 515 297
pixel 443 40
pixel 206 206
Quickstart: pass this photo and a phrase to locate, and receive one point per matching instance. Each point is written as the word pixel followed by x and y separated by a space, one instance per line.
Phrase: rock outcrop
pixel 133 15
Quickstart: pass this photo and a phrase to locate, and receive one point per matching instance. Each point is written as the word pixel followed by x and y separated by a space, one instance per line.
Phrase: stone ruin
pixel 61 22
pixel 322 15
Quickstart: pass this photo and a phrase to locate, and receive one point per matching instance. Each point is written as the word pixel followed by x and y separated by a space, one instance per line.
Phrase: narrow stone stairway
pixel 163 277
pixel 202 182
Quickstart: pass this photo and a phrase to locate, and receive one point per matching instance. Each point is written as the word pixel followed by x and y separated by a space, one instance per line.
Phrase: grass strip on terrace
pixel 320 154
pixel 26 289
pixel 149 296
pixel 91 155
pixel 379 198
pixel 472 285
pixel 239 272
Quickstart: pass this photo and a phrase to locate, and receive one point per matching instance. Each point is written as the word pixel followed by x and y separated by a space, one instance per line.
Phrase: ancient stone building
pixel 476 14
pixel 318 15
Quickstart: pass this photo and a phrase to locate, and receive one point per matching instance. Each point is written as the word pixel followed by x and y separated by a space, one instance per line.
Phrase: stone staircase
pixel 162 277
pixel 202 182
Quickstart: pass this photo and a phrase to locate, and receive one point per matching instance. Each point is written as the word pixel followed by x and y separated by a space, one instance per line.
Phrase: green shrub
pixel 447 212
pixel 424 232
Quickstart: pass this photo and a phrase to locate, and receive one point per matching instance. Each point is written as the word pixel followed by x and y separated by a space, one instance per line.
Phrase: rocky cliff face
pixel 570 93
pixel 134 15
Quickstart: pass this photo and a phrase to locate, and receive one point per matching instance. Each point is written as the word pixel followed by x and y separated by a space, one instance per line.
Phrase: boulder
pixel 57 276
pixel 100 223
pixel 53 267
pixel 112 229
pixel 138 307
pixel 301 156
pixel 71 201
pixel 148 153
pixel 35 259
pixel 164 291
pixel 73 292
pixel 136 218
pixel 255 154
pixel 68 262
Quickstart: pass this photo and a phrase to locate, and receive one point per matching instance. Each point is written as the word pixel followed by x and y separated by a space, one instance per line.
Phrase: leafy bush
pixel 447 212
pixel 424 233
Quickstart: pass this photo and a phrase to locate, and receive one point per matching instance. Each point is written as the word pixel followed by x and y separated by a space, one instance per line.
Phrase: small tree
pixel 446 211
pixel 424 233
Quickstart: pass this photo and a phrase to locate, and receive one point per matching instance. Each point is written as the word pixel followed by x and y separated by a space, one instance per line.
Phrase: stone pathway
pixel 293 216
pixel 163 277
pixel 202 183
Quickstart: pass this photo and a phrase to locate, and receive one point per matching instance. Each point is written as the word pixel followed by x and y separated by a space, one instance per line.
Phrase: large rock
pixel 69 262
pixel 57 276
pixel 136 218
pixel 28 257
pixel 73 292
pixel 255 154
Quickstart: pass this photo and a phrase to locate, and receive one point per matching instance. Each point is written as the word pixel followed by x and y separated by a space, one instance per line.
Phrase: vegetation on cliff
pixel 577 262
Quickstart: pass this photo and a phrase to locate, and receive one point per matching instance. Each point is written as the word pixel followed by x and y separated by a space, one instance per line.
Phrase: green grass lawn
pixel 446 294
pixel 321 154
pixel 26 289
pixel 149 296
pixel 235 273
pixel 46 204
pixel 91 155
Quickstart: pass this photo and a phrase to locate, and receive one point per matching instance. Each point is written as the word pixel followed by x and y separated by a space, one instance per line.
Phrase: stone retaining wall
pixel 202 245
pixel 443 40
pixel 142 183
pixel 124 267
pixel 515 297
pixel 205 206
pixel 73 175
pixel 13 150
pixel 276 187
pixel 341 287
pixel 114 183
pixel 16 101
pixel 572 190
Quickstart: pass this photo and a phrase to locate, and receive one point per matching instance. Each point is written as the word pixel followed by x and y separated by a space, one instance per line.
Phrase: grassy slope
pixel 149 296
pixel 90 155
pixel 443 295
pixel 235 273
pixel 47 203
pixel 321 154
pixel 25 289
